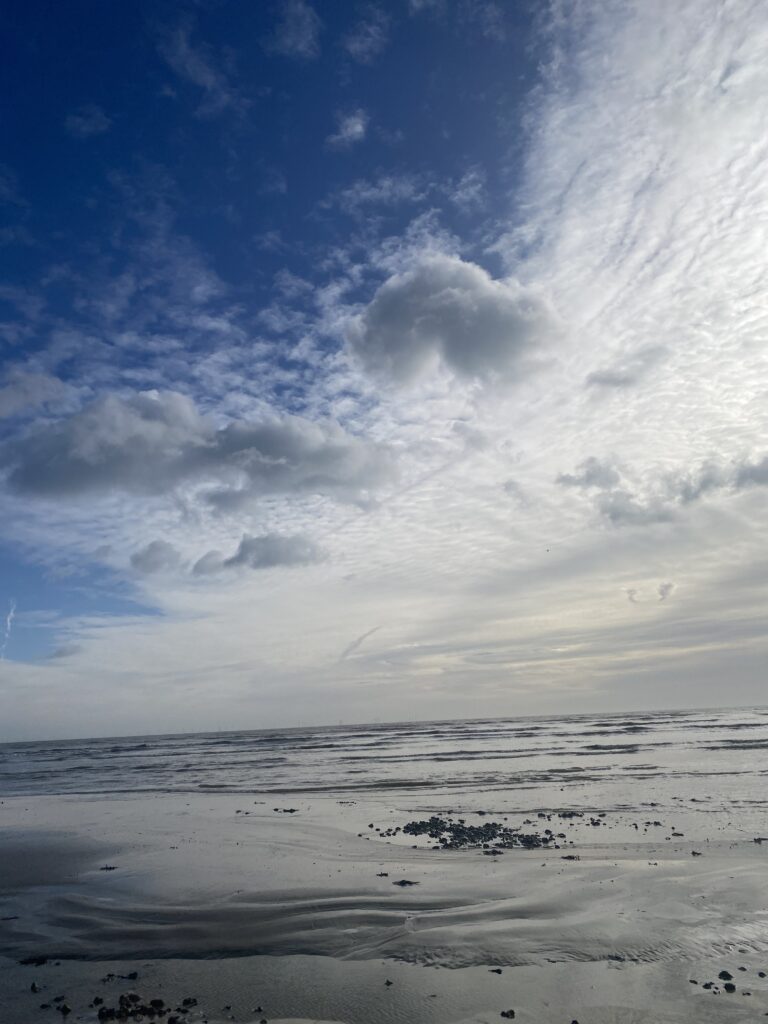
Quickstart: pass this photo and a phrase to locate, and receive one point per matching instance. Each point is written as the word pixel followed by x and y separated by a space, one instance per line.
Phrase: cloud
pixel 87 121
pixel 386 190
pixel 450 312
pixel 665 495
pixel 752 473
pixel 297 33
pixel 628 371
pixel 665 590
pixel 27 391
pixel 158 556
pixel 351 128
pixel 621 508
pixel 469 191
pixel 196 64
pixel 591 473
pixel 690 487
pixel 487 16
pixel 152 442
pixel 9 187
pixel 369 36
pixel 268 551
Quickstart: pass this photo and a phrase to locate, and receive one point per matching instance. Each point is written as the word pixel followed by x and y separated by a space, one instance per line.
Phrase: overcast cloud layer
pixel 447 398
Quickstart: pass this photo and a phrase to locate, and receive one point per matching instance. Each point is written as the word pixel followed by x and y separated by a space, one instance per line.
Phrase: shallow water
pixel 273 855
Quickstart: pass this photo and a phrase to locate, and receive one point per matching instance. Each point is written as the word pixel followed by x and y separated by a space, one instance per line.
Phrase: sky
pixel 380 361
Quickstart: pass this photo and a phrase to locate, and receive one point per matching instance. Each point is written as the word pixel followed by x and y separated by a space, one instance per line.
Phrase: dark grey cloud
pixel 151 442
pixel 267 551
pixel 591 473
pixel 157 556
pixel 661 502
pixel 630 370
pixel 688 488
pixel 449 311
pixel 297 32
pixel 87 121
pixel 751 473
pixel 665 590
pixel 622 508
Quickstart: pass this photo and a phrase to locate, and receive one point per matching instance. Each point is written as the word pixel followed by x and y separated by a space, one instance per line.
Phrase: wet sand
pixel 623 913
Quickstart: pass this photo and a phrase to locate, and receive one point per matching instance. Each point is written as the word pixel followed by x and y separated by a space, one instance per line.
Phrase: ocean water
pixel 709 755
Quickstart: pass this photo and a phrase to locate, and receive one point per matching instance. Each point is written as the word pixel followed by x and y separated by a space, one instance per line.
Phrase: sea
pixel 717 754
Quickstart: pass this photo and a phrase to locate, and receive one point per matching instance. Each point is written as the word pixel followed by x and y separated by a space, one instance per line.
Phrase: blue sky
pixel 379 360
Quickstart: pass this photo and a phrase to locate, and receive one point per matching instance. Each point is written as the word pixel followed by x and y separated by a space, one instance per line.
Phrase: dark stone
pixel 729 986
pixel 725 976
pixel 495 970
pixel 404 883
pixel 509 1014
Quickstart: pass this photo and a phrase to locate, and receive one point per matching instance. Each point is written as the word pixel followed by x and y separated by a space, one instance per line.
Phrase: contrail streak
pixel 8 626
pixel 356 643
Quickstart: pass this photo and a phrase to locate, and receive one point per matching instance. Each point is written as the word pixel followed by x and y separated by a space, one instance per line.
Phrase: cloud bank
pixel 152 442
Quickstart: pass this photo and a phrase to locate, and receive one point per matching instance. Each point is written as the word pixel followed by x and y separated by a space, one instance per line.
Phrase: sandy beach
pixel 321 907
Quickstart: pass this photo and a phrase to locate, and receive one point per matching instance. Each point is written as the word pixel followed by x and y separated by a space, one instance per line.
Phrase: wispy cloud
pixel 198 65
pixel 351 128
pixel 369 36
pixel 87 121
pixel 297 32
pixel 8 627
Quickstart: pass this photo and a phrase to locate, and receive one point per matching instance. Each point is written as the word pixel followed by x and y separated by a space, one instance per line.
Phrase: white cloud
pixel 451 312
pixel 350 129
pixel 386 190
